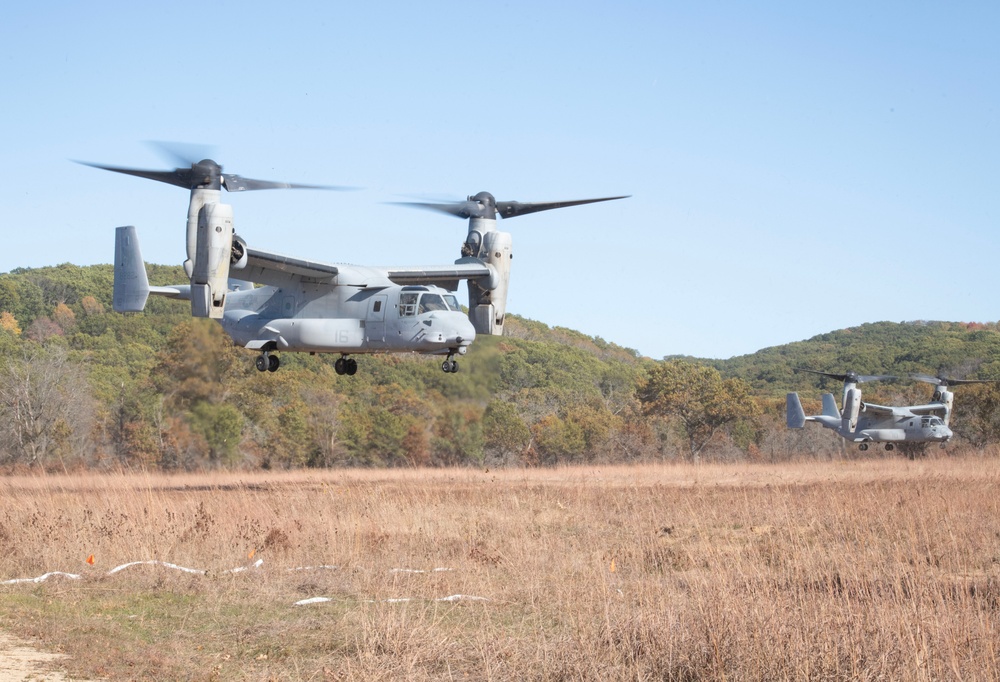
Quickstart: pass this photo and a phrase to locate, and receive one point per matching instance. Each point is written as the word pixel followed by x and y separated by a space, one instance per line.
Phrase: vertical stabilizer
pixel 795 416
pixel 830 408
pixel 131 288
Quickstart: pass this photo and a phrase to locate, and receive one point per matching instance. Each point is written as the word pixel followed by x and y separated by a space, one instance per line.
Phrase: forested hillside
pixel 83 386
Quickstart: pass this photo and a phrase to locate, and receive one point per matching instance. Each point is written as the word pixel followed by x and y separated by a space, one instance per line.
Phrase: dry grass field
pixel 882 569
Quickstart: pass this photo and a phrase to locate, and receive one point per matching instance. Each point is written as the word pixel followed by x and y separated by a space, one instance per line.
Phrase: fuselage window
pixel 431 302
pixel 407 305
pixel 377 307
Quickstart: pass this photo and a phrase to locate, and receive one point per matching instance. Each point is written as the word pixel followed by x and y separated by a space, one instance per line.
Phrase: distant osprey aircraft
pixel 911 428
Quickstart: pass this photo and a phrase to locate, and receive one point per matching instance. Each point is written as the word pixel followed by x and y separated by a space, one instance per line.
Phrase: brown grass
pixel 840 570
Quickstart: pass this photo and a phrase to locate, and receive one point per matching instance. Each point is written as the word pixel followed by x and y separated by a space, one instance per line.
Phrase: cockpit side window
pixel 407 305
pixel 431 302
pixel 452 302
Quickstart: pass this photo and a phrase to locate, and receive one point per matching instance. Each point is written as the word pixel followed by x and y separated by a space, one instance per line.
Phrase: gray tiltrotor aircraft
pixel 309 306
pixel 910 428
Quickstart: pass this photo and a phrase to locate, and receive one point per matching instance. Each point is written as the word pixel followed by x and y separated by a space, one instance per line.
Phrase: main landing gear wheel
pixel 267 363
pixel 449 366
pixel 863 447
pixel 890 446
pixel 348 366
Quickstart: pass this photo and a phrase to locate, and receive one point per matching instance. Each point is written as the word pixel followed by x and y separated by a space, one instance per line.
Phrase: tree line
pixel 81 386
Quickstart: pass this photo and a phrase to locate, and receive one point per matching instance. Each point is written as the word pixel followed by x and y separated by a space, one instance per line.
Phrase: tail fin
pixel 795 416
pixel 830 408
pixel 131 287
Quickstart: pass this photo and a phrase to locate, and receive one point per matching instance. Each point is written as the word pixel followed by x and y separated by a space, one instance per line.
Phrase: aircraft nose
pixel 463 333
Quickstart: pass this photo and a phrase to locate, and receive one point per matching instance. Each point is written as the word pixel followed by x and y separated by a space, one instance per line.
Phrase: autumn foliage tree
pixel 160 390
pixel 698 397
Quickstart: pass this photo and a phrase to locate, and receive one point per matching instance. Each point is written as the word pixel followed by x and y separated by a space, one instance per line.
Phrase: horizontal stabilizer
pixel 181 292
pixel 795 416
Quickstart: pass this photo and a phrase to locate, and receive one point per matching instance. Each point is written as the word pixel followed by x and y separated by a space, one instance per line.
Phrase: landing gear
pixel 266 362
pixel 863 447
pixel 889 446
pixel 449 366
pixel 346 365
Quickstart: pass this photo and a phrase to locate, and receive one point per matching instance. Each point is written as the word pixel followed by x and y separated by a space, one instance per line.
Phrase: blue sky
pixel 795 167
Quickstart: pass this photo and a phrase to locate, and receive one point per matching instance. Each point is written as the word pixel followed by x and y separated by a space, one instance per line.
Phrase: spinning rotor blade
pixel 512 209
pixel 850 376
pixel 484 205
pixel 180 177
pixel 205 174
pixel 237 183
pixel 947 381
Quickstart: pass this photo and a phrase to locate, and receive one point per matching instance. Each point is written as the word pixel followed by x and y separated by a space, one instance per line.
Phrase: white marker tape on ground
pixel 185 569
pixel 396 600
pixel 419 570
pixel 240 569
pixel 155 563
pixel 116 569
pixel 42 578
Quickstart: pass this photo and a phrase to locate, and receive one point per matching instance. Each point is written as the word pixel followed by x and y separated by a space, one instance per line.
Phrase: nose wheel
pixel 345 365
pixel 266 362
pixel 449 366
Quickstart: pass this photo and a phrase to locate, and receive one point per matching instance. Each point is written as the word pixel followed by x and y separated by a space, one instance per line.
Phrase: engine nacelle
pixel 947 398
pixel 488 299
pixel 852 407
pixel 213 256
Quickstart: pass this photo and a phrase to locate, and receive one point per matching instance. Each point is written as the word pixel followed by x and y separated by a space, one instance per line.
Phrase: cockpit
pixel 927 422
pixel 413 303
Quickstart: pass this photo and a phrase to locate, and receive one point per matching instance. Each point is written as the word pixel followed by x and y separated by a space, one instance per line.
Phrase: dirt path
pixel 19 662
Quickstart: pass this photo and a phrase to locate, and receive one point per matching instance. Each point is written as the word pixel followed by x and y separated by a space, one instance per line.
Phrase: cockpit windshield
pixel 932 421
pixel 411 304
pixel 430 303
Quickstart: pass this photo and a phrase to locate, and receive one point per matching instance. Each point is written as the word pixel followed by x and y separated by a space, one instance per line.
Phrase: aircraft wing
pixel 908 411
pixel 446 276
pixel 887 411
pixel 931 408
pixel 264 267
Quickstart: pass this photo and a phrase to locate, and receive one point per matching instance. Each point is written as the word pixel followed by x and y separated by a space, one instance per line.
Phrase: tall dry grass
pixel 842 570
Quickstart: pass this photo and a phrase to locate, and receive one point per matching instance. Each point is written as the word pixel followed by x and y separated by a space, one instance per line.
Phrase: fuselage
pixel 342 318
pixel 911 429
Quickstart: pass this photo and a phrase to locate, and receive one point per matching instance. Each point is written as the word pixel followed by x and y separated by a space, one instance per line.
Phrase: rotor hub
pixel 206 174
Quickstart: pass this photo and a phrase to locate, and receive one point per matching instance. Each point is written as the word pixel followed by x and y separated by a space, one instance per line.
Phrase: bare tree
pixel 46 408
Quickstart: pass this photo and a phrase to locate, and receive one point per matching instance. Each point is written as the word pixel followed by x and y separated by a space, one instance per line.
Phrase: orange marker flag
pixel 612 565
pixel 252 552
pixel 90 560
